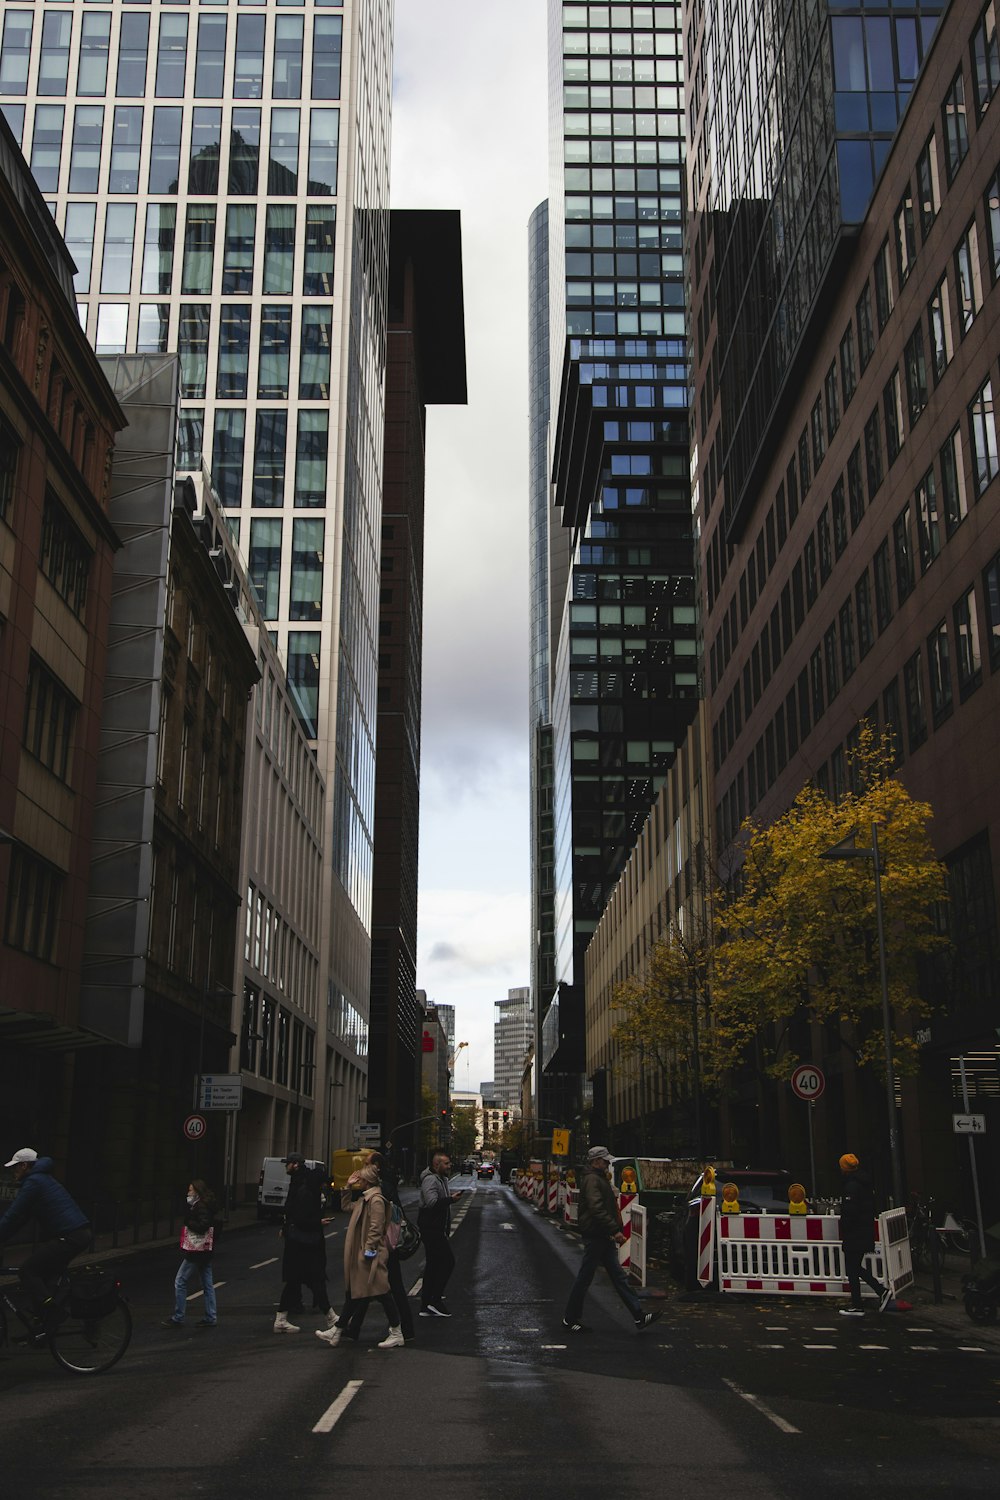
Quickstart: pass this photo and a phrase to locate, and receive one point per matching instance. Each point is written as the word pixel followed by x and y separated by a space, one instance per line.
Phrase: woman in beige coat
pixel 366 1256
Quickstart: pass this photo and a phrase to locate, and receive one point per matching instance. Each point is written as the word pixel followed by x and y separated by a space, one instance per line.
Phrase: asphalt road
pixel 779 1399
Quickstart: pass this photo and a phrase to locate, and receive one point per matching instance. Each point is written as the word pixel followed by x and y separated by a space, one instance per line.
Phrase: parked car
pixel 485 1169
pixel 272 1187
pixel 762 1191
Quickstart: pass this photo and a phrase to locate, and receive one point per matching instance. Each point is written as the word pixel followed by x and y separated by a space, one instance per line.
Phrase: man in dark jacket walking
pixel 304 1259
pixel 857 1233
pixel 63 1228
pixel 600 1224
pixel 434 1223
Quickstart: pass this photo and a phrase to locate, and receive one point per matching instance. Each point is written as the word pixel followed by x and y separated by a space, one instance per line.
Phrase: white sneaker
pixel 329 1336
pixel 394 1341
pixel 331 1319
pixel 282 1325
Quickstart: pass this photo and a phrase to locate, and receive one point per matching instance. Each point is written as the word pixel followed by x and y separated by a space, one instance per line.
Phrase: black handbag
pixel 409 1240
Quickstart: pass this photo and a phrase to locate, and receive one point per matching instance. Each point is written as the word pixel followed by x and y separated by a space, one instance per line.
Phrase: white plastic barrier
pixel 561 1197
pixel 794 1256
pixel 638 1218
pixel 538 1192
pixel 571 1210
pixel 894 1238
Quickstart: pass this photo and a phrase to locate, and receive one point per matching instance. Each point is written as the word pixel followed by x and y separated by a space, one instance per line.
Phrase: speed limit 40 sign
pixel 195 1127
pixel 808 1081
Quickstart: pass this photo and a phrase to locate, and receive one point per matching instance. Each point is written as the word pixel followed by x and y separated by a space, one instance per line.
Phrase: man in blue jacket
pixel 63 1228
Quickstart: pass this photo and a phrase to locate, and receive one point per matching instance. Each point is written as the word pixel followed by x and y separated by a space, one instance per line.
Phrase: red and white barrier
pixel 571 1211
pixel 705 1253
pixel 637 1243
pixel 625 1201
pixel 553 1195
pixel 794 1256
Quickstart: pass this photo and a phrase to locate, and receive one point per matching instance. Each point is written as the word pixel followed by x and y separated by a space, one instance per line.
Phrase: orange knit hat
pixel 849 1162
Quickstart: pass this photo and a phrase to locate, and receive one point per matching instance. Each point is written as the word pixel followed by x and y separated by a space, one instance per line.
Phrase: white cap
pixel 20 1157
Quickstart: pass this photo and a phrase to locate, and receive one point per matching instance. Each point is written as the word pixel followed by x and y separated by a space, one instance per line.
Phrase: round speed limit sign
pixel 808 1081
pixel 195 1127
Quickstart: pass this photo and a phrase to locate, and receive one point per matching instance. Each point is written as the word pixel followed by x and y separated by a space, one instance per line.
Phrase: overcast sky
pixel 469 131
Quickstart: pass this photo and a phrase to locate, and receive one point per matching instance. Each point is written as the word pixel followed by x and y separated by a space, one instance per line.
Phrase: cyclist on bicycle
pixel 64 1229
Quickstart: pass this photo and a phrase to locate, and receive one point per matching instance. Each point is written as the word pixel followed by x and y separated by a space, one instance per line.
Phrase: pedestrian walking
pixel 366 1277
pixel 601 1228
pixel 304 1258
pixel 434 1223
pixel 388 1178
pixel 857 1234
pixel 197 1249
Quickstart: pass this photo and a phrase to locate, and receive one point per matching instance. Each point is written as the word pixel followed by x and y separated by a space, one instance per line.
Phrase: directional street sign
pixel 367 1134
pixel 808 1081
pixel 560 1143
pixel 968 1124
pixel 220 1091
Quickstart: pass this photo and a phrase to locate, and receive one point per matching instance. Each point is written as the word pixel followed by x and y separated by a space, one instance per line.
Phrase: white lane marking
pixel 193 1295
pixel 272 1262
pixel 529 1330
pixel 415 1288
pixel 336 1410
pixel 759 1405
pixel 506 1226
pixel 873 1346
pixel 918 1330
pixel 775 1327
pixel 819 1346
pixel 972 1349
pixel 769 1346
pixel 824 1328
pixel 331 1234
pixel 553 1346
pixel 925 1348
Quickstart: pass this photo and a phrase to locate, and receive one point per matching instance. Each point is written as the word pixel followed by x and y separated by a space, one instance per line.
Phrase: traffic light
pixel 506 1115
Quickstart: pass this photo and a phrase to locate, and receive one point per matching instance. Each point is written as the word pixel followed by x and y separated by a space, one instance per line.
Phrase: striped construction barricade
pixel 638 1220
pixel 561 1196
pixel 538 1192
pixel 705 1249
pixel 785 1256
pixel 625 1201
pixel 553 1193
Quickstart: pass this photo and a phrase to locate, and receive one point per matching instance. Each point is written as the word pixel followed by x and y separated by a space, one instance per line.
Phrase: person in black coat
pixel 304 1259
pixel 857 1234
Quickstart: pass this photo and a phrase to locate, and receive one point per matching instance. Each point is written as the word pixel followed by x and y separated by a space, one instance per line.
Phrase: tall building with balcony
pixel 513 1031
pixel 623 663
pixel 221 178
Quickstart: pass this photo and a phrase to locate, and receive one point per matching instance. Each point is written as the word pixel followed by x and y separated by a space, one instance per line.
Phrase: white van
pixel 272 1188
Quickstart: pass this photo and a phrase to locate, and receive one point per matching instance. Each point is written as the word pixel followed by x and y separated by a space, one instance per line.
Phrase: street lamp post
pixel 846 849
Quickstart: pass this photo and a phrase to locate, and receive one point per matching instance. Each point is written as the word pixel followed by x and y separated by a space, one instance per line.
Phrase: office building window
pixel 206 144
pixel 265 564
pixel 210 58
pixel 192 345
pixel 311 458
pixel 119 242
pixel 15 51
pixel 112 327
pixel 190 437
pixel 283 154
pixel 928 524
pixel 902 539
pixel 14 115
pixel 34 899
pixel 81 219
pixel 968 277
pixel 863 605
pixel 154 328
pixel 307 570
pixel 279 249
pixel 53 64
pixel 321 231
pixel 327 34
pixel 244 152
pixel 916 713
pixel 883 286
pixel 892 404
pixel 847 637
pixel 939 323
pixel 85 152
pixel 954 497
pixel 10 451
pixel 983 438
pixel 831 392
pixel 275 351
pixel 991 593
pixel 171 56
pixel 165 156
pixel 46 146
pixel 158 249
pixel 985 58
pixel 249 82
pixel 237 263
pixel 839 511
pixel 227 454
pixel 126 140
pixel 873 453
pixel 892 718
pixel 848 369
pixel 270 454
pixel 199 249
pixel 939 672
pixel 883 587
pixel 92 77
pixel 916 375
pixel 288 35
pixel 133 52
pixel 855 487
pixel 303 676
pixel 968 650
pixel 956 133
pixel 324 133
pixel 234 350
pixel 49 719
pixel 906 237
pixel 64 556
pixel 928 188
pixel 314 368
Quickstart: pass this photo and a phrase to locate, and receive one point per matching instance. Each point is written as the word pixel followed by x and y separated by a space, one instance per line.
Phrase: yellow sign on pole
pixel 560 1143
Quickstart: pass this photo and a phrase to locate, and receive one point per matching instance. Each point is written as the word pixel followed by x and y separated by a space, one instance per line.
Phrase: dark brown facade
pixel 865 582
pixel 425 365
pixel 58 419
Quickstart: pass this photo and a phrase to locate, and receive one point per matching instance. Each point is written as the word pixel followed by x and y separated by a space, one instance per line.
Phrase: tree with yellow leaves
pixel 796 934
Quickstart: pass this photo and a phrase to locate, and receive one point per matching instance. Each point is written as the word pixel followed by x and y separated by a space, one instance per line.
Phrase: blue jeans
pixel 600 1250
pixel 201 1267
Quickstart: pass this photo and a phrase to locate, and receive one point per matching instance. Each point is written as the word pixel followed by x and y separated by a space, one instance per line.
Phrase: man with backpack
pixel 63 1228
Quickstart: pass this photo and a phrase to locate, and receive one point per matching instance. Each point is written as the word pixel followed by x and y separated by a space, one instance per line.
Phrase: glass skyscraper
pixel 624 667
pixel 221 175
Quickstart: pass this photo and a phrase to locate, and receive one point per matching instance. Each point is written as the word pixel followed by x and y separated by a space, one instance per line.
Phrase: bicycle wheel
pixel 88 1346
